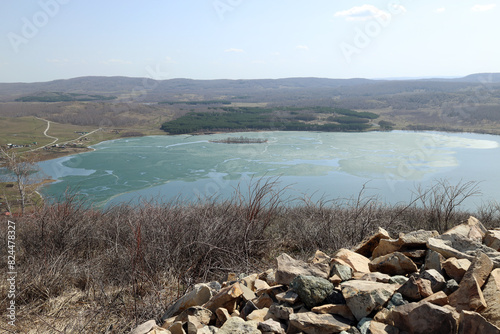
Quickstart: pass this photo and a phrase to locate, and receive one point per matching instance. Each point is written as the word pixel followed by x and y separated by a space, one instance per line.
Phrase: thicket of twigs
pixel 104 271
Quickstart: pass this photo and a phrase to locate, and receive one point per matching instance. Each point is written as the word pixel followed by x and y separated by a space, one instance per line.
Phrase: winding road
pixel 57 139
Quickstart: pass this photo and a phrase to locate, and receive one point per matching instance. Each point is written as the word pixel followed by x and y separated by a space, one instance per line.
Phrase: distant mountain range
pixel 155 91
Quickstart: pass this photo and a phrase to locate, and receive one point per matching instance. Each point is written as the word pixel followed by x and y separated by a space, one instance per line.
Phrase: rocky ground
pixel 421 282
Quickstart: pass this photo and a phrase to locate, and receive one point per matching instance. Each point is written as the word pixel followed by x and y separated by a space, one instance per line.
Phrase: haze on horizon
pixel 44 40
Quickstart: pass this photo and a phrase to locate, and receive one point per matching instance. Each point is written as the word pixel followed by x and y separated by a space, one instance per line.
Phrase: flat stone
pixel 289 268
pixel 261 287
pixel 417 238
pixel 393 264
pixel 491 294
pixel 263 300
pixel 479 269
pixel 356 261
pixel 456 268
pixel 225 295
pixel 144 328
pixel 312 323
pixel 376 277
pixel 363 297
pixel 239 326
pixel 271 326
pixel 158 330
pixel 312 290
pixel 381 328
pixel 423 318
pixel 456 245
pixel 200 294
pixel 492 239
pixel 386 246
pixel 474 323
pixel 398 279
pixel 337 309
pixel 367 246
pixel 439 298
pixel 249 281
pixel 473 230
pixel 202 314
pixel 289 297
pixel 258 315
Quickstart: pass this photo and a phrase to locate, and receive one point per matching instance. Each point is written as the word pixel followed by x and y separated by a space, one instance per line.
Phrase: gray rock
pixel 364 325
pixel 451 286
pixel 280 311
pixel 342 271
pixel 271 326
pixel 437 280
pixel 398 279
pixel 336 297
pixel 312 290
pixel 396 300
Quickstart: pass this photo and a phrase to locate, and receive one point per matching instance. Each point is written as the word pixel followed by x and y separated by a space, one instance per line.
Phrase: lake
pixel 314 165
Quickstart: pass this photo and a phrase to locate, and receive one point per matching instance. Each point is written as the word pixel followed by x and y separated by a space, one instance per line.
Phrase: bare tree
pixel 20 168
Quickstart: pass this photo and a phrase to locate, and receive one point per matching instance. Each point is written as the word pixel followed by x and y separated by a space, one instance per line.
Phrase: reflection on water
pixel 330 164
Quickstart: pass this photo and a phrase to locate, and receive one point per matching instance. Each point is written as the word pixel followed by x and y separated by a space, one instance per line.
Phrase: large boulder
pixel 492 239
pixel 289 268
pixel 473 230
pixel 312 323
pixel 363 297
pixel 456 268
pixel 312 290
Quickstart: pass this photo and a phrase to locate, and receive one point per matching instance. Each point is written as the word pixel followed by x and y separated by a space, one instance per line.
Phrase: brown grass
pixel 105 271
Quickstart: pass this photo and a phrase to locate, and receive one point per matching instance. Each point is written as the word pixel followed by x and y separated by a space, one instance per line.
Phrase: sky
pixel 43 40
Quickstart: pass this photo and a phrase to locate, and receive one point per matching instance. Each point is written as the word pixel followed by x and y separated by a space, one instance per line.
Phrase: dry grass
pixel 91 271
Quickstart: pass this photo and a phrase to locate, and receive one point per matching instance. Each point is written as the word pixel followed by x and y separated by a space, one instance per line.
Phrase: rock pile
pixel 421 282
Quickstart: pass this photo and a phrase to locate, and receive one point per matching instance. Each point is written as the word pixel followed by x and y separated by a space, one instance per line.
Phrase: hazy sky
pixel 246 39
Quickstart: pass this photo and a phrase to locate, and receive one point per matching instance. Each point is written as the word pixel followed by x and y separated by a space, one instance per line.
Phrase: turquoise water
pixel 328 165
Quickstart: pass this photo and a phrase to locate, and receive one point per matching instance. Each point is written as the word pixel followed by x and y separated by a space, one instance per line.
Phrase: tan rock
pixel 200 294
pixel 416 238
pixel 144 328
pixel 367 246
pixel 480 269
pixel 363 297
pixel 386 246
pixel 338 309
pixel 320 257
pixel 193 325
pixel 422 318
pixel 491 293
pixel 474 323
pixel 159 330
pixel 249 281
pixel 434 260
pixel 468 297
pixel 382 315
pixel 271 326
pixel 473 230
pixel 456 268
pixel 176 328
pixel 492 239
pixel 225 296
pixel 424 287
pixel 439 298
pixel 376 277
pixel 393 264
pixel 263 300
pixel 261 286
pixel 248 294
pixel 288 297
pixel 258 315
pixel 335 280
pixel 356 261
pixel 222 315
pixel 202 314
pixel 312 323
pixel 381 328
pixel 289 268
